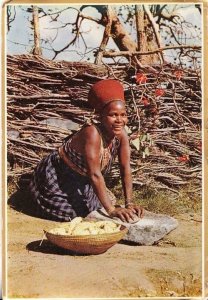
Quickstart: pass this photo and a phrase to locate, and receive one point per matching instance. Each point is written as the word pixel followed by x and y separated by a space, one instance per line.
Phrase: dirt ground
pixel 171 268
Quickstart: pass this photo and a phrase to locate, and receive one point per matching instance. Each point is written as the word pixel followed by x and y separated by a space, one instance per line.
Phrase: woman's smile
pixel 118 127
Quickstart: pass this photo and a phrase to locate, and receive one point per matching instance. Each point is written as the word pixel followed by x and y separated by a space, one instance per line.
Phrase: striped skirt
pixel 60 193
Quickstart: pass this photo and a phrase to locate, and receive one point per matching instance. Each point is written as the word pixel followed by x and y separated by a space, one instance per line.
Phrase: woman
pixel 70 182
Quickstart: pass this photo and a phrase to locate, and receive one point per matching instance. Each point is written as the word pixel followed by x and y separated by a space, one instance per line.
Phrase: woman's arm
pixel 125 169
pixel 91 150
pixel 126 175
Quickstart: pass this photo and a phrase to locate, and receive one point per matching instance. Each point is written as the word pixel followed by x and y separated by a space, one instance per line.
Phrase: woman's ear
pixel 96 116
pixel 99 118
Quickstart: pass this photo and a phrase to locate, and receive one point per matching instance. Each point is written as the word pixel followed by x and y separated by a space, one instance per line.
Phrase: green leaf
pixel 136 143
pixel 128 130
pixel 146 151
pixel 143 139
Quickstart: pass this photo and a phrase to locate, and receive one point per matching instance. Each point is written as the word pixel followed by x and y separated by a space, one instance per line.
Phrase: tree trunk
pixel 37 49
pixel 141 36
pixel 119 34
pixel 147 35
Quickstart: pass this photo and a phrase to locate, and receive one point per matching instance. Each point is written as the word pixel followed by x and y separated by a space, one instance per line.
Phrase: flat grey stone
pixel 13 134
pixel 61 123
pixel 148 230
pixel 41 137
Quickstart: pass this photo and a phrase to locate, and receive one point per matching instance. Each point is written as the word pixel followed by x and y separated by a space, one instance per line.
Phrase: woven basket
pixel 87 244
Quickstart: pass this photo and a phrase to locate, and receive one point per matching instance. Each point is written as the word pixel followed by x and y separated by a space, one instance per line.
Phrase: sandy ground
pixel 171 268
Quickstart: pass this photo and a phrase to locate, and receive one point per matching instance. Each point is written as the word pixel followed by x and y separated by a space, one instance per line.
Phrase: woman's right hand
pixel 124 214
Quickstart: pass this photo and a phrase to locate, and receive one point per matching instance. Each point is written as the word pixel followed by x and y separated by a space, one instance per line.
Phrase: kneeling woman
pixel 70 182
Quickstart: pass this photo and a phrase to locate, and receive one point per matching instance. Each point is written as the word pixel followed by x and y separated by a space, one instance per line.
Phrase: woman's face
pixel 114 118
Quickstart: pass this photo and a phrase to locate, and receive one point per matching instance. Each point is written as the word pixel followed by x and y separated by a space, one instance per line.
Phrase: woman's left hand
pixel 136 209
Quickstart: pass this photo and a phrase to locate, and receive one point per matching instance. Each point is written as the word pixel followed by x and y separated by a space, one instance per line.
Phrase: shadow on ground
pixel 44 246
pixel 20 200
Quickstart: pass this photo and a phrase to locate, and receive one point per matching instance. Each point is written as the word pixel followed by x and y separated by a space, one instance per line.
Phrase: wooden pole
pixel 37 49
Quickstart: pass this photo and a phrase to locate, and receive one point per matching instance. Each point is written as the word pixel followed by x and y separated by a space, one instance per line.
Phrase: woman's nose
pixel 119 119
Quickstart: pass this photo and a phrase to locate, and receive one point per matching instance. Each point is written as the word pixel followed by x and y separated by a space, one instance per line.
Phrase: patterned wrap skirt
pixel 60 193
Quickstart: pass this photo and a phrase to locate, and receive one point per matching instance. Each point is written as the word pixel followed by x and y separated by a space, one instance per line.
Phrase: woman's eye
pixel 115 115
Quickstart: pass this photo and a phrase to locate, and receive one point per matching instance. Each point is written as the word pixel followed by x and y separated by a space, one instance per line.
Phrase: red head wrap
pixel 105 91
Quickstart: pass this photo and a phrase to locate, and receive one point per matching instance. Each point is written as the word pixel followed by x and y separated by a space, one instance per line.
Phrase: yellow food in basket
pixel 78 226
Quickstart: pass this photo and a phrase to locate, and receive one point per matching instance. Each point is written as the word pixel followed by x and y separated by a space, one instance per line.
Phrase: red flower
pixel 199 146
pixel 159 92
pixel 183 158
pixel 145 101
pixel 178 74
pixel 141 78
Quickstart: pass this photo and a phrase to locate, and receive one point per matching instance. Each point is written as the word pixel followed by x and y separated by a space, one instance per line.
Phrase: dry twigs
pixel 164 111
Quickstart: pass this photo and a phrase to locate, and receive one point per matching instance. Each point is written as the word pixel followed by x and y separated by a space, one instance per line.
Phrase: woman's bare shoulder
pixel 88 134
pixel 123 137
pixel 90 131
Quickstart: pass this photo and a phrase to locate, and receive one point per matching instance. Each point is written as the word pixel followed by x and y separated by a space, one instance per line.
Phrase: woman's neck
pixel 107 138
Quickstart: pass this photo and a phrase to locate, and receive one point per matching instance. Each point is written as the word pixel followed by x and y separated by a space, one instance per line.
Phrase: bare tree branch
pixel 74 39
pixel 129 53
pixel 106 36
pixel 155 30
pixel 10 18
pixel 57 13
